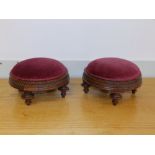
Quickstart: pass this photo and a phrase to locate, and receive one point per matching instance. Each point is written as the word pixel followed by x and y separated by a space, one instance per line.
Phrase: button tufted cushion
pixel 114 69
pixel 38 69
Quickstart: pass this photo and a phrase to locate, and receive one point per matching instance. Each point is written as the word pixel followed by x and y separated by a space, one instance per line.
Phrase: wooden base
pixel 114 88
pixel 30 88
pixel 28 96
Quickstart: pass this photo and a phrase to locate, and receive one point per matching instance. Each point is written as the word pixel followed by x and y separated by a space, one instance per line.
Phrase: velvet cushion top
pixel 114 69
pixel 38 69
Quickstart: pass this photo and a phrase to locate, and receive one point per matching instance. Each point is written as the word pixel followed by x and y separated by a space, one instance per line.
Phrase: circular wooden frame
pixel 114 88
pixel 30 88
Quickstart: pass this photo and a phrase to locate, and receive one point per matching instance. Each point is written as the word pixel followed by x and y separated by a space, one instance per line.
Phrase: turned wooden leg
pixel 134 91
pixel 28 96
pixel 85 86
pixel 115 97
pixel 63 91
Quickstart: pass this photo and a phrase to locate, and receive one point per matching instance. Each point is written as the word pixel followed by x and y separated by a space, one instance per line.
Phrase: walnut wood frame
pixel 30 88
pixel 114 88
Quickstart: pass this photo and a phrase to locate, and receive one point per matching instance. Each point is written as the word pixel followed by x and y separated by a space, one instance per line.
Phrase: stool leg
pixel 63 91
pixel 86 86
pixel 28 96
pixel 134 91
pixel 115 97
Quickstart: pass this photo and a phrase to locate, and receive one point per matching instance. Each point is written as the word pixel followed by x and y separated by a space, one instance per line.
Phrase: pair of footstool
pixel 39 75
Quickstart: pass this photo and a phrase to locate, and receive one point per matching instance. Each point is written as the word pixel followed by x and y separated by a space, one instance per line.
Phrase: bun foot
pixel 134 91
pixel 85 87
pixel 28 101
pixel 28 96
pixel 63 91
pixel 115 98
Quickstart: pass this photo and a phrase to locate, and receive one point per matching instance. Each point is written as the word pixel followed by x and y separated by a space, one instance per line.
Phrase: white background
pixel 77 39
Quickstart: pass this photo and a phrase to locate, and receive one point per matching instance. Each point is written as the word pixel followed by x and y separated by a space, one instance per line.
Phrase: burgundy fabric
pixel 115 69
pixel 38 69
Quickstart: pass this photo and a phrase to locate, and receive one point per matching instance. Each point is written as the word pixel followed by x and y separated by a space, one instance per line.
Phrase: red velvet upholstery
pixel 38 69
pixel 115 69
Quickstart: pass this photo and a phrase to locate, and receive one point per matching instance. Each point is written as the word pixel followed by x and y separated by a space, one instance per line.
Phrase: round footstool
pixel 38 75
pixel 113 76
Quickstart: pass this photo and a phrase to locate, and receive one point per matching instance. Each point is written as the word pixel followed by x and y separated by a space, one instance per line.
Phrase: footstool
pixel 39 75
pixel 113 76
